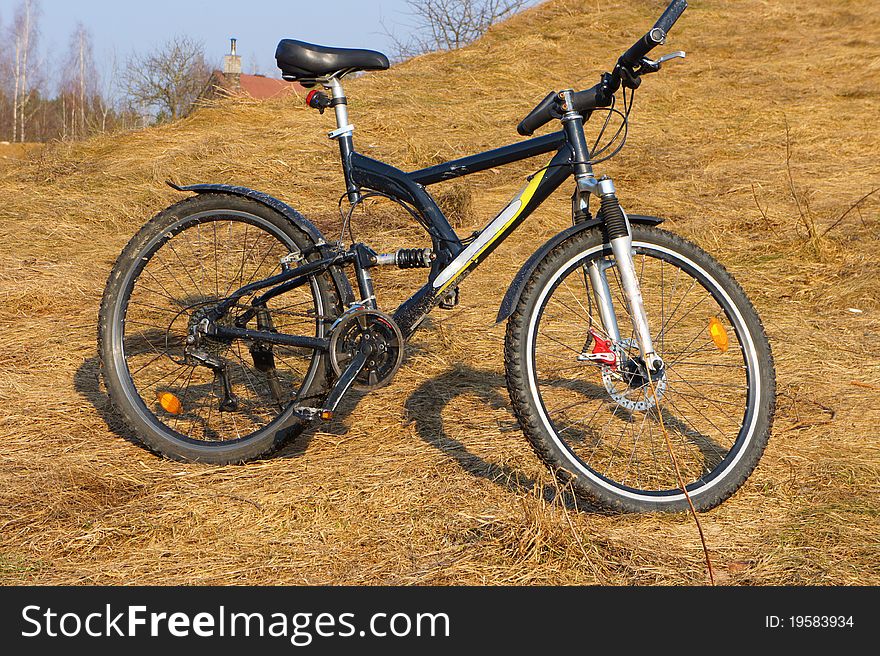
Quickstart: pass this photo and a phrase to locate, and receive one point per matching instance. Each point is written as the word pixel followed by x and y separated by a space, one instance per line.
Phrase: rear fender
pixel 297 219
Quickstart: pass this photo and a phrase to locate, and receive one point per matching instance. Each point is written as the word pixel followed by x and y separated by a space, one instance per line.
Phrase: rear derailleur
pixel 203 349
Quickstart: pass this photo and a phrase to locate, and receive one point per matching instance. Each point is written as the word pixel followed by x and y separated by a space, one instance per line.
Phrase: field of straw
pixel 759 146
pixel 14 153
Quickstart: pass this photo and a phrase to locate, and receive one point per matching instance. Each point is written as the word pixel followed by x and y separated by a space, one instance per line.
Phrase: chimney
pixel 232 67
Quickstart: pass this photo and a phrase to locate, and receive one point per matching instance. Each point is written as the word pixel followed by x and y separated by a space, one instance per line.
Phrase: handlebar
pixel 642 47
pixel 671 15
pixel 542 114
pixel 600 95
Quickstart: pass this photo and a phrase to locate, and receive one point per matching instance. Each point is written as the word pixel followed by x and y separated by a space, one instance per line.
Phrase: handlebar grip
pixel 542 114
pixel 642 47
pixel 673 13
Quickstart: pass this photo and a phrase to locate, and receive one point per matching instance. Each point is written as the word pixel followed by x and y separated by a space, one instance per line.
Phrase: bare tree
pixel 253 65
pixel 449 24
pixel 167 81
pixel 79 84
pixel 109 93
pixel 24 33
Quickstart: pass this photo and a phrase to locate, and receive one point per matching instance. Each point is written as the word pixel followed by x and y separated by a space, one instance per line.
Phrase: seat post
pixel 343 134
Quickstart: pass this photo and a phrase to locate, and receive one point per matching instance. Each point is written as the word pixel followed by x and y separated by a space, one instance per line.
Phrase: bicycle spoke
pixel 171 286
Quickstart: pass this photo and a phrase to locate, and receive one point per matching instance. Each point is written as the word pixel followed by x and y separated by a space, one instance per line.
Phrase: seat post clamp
pixel 341 131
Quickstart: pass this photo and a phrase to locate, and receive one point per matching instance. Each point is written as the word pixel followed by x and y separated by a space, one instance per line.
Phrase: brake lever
pixel 672 55
pixel 652 66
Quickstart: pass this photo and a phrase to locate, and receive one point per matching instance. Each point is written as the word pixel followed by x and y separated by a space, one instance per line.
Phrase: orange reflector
pixel 718 334
pixel 170 403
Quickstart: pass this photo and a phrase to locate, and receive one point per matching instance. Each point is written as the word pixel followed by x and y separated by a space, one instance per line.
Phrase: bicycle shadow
pixel 87 383
pixel 424 407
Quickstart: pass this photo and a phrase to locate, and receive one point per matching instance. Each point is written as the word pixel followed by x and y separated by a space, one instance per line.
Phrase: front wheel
pixel 599 424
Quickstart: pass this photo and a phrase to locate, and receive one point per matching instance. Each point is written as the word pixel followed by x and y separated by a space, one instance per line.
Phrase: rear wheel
pixel 599 425
pixel 179 266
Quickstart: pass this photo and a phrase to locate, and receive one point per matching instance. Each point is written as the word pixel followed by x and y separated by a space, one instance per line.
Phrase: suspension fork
pixel 602 296
pixel 594 275
pixel 618 233
pixel 573 124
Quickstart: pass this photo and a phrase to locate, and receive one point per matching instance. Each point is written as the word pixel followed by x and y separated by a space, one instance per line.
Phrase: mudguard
pixel 295 217
pixel 511 298
pixel 342 284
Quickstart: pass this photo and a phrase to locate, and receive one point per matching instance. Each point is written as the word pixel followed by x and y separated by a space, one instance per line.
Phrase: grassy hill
pixel 754 146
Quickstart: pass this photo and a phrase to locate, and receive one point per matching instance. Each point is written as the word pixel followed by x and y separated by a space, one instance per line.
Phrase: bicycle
pixel 229 323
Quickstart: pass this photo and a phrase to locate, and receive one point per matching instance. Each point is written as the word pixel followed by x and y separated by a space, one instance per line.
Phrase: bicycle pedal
pixel 306 413
pixel 449 300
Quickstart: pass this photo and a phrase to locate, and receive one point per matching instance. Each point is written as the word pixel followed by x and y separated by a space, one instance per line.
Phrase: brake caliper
pixel 602 352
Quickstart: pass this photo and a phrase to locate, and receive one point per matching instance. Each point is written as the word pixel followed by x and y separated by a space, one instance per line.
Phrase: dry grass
pixel 429 480
pixel 13 153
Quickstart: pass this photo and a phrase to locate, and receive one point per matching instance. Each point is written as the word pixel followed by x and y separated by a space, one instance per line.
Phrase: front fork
pixel 617 230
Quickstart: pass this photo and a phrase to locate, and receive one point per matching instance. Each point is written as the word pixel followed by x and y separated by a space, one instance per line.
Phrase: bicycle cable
pixel 415 214
pixel 624 127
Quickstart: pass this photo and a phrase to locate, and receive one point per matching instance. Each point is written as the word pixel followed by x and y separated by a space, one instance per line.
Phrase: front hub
pixel 629 385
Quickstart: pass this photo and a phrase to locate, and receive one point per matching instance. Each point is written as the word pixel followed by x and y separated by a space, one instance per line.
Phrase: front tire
pixel 599 426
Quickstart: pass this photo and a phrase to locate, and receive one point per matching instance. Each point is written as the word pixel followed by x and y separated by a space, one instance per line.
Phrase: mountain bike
pixel 637 367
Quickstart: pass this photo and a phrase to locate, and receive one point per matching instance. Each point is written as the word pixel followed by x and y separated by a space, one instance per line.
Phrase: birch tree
pixel 79 86
pixel 24 33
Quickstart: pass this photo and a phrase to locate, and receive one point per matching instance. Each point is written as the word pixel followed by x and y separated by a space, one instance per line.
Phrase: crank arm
pixel 346 379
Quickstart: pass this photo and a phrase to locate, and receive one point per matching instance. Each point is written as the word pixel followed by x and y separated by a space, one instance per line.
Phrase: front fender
pixel 511 298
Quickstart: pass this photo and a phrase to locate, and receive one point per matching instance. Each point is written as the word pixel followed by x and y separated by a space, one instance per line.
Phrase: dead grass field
pixel 13 153
pixel 429 481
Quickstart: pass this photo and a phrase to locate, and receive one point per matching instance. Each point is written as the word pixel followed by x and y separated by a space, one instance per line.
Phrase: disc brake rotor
pixel 628 385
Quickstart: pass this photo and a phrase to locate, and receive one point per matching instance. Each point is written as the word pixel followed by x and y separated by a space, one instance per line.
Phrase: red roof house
pixel 232 82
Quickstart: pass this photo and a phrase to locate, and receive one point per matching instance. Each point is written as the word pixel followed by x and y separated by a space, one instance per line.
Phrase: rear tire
pixel 154 425
pixel 705 388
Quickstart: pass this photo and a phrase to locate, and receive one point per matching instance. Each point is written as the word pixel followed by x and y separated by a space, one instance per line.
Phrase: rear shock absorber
pixel 407 258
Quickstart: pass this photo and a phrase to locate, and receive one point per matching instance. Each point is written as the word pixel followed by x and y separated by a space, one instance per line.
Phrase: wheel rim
pixel 626 453
pixel 150 322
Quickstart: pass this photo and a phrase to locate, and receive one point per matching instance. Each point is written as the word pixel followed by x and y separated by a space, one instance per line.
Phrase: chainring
pixel 345 339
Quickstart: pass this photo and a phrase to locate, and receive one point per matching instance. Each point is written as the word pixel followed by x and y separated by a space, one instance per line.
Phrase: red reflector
pixel 309 97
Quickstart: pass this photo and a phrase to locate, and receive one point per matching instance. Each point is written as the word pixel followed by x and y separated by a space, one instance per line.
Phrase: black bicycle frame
pixel 453 259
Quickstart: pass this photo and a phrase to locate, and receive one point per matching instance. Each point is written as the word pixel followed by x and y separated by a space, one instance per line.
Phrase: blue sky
pixel 124 26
